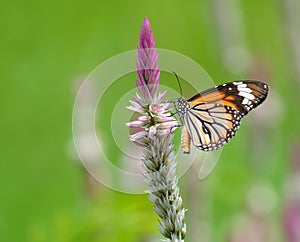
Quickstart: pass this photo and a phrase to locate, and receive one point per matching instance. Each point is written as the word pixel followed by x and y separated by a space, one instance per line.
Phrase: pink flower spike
pixel 147 68
pixel 153 130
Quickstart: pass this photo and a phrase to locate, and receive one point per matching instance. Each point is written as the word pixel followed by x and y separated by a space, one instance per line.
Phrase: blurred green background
pixel 48 47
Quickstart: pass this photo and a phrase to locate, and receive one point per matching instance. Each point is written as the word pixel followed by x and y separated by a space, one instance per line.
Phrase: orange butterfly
pixel 212 117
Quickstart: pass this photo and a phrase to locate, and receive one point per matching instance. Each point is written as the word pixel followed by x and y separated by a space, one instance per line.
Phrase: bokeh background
pixel 48 48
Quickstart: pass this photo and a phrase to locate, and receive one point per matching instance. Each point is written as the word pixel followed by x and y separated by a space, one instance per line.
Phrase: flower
pixel 153 129
pixel 147 68
pixel 154 114
pixel 152 119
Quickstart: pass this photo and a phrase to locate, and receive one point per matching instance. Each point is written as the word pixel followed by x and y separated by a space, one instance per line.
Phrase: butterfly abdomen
pixel 185 141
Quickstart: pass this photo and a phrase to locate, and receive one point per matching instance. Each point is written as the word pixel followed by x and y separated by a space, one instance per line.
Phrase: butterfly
pixel 212 117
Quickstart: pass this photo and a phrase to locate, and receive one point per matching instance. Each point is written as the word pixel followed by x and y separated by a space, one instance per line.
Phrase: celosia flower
pixel 153 129
pixel 153 117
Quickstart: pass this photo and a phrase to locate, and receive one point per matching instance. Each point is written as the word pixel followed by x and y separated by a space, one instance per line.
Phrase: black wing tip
pixel 260 82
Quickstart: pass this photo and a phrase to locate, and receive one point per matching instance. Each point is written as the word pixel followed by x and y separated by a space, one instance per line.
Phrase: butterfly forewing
pixel 212 117
pixel 240 95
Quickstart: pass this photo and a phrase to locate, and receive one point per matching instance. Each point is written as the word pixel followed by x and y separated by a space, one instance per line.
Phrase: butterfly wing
pixel 240 95
pixel 214 115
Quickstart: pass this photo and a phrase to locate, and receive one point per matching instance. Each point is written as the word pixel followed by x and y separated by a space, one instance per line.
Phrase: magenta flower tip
pixel 147 67
pixel 146 36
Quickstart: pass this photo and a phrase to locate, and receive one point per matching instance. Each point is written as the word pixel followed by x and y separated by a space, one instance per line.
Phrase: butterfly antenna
pixel 178 82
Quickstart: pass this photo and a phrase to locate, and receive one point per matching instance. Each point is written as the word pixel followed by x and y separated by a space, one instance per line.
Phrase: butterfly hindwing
pixel 212 127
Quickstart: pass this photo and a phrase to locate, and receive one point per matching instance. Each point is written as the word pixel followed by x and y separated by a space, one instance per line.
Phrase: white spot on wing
pixel 244 89
pixel 242 85
pixel 246 95
pixel 245 101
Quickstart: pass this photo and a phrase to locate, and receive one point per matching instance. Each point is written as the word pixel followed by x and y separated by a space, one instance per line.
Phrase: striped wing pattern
pixel 212 117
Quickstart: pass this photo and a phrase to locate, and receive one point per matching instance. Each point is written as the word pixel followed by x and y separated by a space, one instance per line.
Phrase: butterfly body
pixel 212 117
